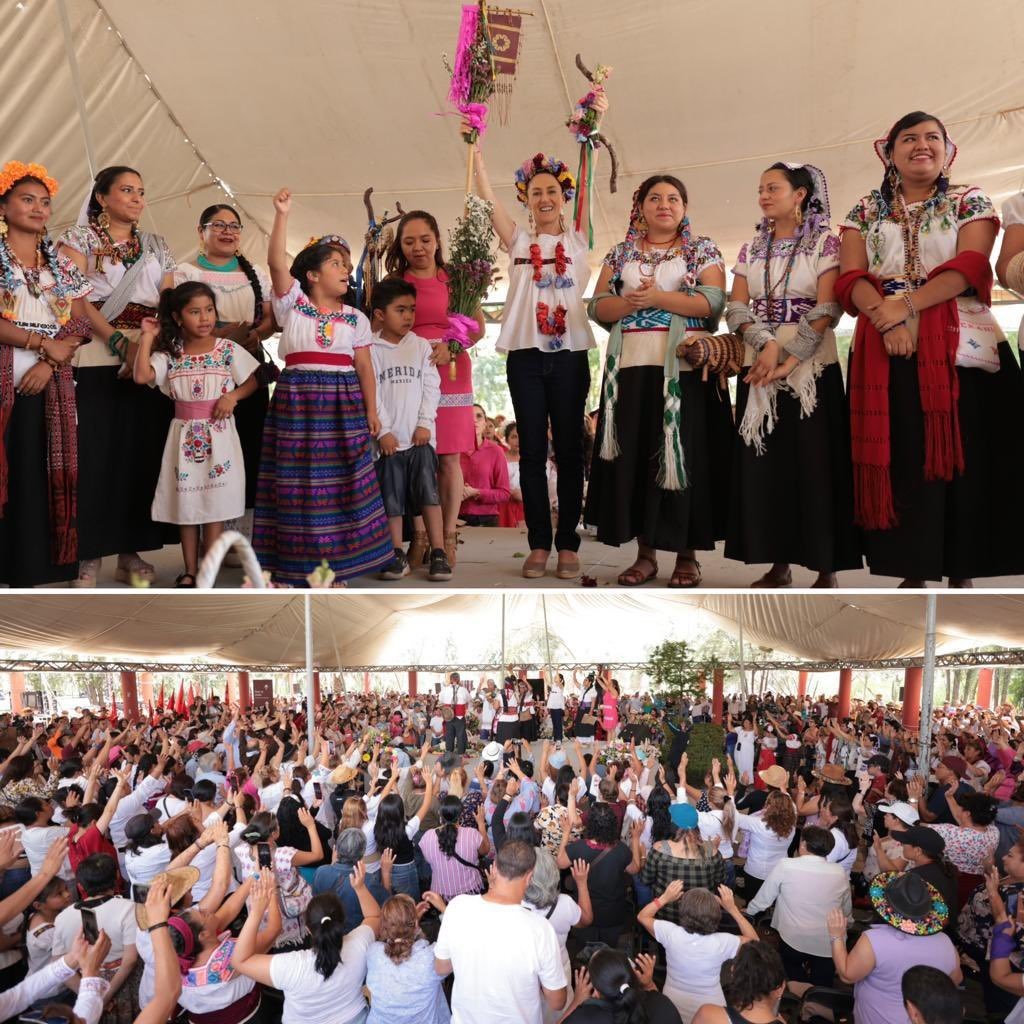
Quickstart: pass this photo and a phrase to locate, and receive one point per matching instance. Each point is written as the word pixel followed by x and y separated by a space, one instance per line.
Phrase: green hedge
pixel 707 741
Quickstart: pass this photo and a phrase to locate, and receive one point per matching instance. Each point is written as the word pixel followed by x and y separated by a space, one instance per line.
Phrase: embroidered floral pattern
pixel 325 319
pixel 700 253
pixel 196 442
pixel 219 469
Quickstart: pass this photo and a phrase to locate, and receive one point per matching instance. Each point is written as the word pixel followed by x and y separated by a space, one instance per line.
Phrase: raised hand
pixel 283 201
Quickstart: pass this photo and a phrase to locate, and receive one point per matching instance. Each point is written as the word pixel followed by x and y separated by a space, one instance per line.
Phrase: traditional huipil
pixel 38 437
pixel 317 497
pixel 666 484
pixel 202 479
pixel 792 489
pixel 242 289
pixel 122 426
pixel 1013 216
pixel 929 439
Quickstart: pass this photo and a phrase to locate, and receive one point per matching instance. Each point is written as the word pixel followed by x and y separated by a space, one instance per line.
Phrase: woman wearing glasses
pixel 243 306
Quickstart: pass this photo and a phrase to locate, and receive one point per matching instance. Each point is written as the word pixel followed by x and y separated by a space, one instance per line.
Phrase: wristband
pixel 154 927
pixel 115 343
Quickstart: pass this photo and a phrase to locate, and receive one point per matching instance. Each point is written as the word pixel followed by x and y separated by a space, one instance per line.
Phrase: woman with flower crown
pixel 792 488
pixel 664 435
pixel 935 392
pixel 41 325
pixel 122 426
pixel 546 336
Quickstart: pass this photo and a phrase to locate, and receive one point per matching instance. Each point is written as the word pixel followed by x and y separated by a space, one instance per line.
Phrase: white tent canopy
pixel 414 630
pixel 329 98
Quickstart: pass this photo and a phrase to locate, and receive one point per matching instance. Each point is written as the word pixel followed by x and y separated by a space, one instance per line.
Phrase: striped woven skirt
pixel 317 497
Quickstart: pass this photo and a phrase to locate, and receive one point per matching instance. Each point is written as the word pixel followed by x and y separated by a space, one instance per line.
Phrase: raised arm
pixel 504 225
pixel 277 256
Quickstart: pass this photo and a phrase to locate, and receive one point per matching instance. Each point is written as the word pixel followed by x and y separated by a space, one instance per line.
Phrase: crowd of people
pixel 556 859
pixel 138 407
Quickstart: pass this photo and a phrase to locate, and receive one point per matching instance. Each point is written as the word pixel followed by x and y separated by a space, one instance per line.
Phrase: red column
pixel 17 681
pixel 912 678
pixel 845 689
pixel 366 682
pixel 244 691
pixel 717 692
pixel 316 689
pixel 801 684
pixel 984 687
pixel 130 696
pixel 413 682
pixel 146 686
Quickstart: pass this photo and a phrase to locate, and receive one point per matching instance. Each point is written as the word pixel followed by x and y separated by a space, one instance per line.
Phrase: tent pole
pixel 743 667
pixel 76 85
pixel 927 688
pixel 502 666
pixel 547 637
pixel 310 709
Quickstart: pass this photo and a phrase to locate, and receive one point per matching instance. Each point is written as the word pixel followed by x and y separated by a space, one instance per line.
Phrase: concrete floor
pixel 491 558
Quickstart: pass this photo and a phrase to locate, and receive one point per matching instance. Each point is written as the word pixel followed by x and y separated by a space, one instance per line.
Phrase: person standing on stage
pixel 456 697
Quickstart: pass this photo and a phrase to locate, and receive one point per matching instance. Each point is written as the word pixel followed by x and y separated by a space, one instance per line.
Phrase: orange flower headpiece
pixel 14 171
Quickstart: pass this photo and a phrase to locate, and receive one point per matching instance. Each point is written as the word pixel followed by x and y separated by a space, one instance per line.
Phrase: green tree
pixel 674 670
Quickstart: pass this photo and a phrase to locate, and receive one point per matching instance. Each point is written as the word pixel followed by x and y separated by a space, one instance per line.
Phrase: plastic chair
pixel 837 1001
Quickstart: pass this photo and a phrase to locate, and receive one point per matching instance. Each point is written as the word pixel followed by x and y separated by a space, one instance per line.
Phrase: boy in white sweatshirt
pixel 408 389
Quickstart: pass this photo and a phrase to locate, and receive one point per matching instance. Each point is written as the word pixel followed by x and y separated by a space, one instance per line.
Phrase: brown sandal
pixel 634 576
pixel 685 579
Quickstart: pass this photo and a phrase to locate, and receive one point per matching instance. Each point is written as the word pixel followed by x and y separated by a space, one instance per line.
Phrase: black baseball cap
pixel 922 837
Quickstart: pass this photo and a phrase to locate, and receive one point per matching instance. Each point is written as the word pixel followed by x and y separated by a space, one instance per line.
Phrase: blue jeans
pixel 405 878
pixel 557 715
pixel 550 387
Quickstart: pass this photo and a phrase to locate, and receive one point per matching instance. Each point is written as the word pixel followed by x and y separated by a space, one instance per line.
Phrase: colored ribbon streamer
pixel 584 191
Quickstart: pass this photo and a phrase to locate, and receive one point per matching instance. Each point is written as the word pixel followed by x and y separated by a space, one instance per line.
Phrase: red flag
pixel 227 691
pixel 179 706
pixel 113 708
pixel 153 720
pixel 191 695
pixel 160 699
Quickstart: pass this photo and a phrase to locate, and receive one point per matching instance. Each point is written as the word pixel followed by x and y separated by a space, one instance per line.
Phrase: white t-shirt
pixel 408 388
pixel 694 963
pixel 556 699
pixel 36 843
pixel 710 825
pixel 144 866
pixel 564 917
pixel 766 848
pixel 115 916
pixel 511 994
pixel 309 998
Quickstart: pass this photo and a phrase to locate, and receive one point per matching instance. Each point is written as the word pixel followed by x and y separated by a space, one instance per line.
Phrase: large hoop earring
pixel 3 226
pixel 798 216
pixel 202 248
pixel 103 220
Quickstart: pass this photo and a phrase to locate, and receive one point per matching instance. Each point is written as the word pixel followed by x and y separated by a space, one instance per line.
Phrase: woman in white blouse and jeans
pixel 322 984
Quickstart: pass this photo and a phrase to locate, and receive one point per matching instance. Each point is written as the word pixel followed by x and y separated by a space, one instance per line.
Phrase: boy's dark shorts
pixel 408 480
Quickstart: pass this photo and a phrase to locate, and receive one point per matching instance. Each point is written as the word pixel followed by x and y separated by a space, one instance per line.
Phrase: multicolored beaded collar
pixel 325 318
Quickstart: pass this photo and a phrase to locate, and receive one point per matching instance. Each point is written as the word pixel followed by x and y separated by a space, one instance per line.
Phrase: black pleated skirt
pixel 122 430
pixel 624 500
pixel 250 415
pixel 794 503
pixel 965 528
pixel 25 530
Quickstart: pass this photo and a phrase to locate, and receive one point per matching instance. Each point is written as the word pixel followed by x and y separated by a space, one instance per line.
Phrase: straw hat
pixel 181 881
pixel 342 774
pixel 775 776
pixel 834 775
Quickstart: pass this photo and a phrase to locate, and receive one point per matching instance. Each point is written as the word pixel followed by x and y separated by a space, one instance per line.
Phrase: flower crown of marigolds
pixel 541 164
pixel 14 171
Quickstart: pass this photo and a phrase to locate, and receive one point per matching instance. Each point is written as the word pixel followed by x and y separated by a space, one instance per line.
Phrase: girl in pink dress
pixel 416 256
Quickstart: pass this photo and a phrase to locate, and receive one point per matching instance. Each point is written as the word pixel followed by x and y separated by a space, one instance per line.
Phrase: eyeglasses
pixel 223 225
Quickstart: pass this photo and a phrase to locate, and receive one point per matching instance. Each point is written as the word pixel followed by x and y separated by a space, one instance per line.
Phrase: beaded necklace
pixel 126 252
pixel 910 222
pixel 551 325
pixel 325 318
pixel 654 258
pixel 769 288
pixel 56 297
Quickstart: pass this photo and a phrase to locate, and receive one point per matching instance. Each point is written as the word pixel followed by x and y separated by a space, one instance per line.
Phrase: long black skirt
pixel 966 528
pixel 25 529
pixel 624 500
pixel 794 502
pixel 508 731
pixel 122 430
pixel 250 415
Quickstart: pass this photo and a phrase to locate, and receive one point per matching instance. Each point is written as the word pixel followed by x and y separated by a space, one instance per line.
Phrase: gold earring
pixel 103 220
pixel 529 217
pixel 798 216
pixel 202 248
pixel 3 226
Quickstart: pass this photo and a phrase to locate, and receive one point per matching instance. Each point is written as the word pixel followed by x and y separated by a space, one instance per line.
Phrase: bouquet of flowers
pixel 472 724
pixel 473 75
pixel 655 726
pixel 583 121
pixel 474 747
pixel 613 752
pixel 470 265
pixel 376 735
